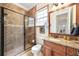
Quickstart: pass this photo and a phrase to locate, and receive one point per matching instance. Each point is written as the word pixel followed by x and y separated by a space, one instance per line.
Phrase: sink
pixel 54 39
pixel 57 40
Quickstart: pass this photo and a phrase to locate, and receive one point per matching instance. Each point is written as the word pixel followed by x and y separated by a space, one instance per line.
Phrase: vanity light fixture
pixel 56 4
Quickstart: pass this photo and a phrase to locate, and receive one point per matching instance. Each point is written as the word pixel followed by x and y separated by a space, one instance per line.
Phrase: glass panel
pixel 31 22
pixel 41 14
pixel 29 32
pixel 42 20
pixel 13 33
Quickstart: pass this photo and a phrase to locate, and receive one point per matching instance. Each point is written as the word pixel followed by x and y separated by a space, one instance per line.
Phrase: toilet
pixel 36 49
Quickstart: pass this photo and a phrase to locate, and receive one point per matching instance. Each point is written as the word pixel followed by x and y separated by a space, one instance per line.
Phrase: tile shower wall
pixel 13 33
pixel 30 35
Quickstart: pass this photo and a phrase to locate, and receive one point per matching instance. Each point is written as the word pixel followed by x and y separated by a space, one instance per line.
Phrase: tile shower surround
pixel 13 33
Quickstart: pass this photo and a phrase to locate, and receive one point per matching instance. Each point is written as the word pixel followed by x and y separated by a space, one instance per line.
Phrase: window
pixel 41 16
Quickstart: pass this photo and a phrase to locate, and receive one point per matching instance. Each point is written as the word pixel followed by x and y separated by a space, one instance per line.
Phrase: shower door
pixel 13 32
pixel 29 32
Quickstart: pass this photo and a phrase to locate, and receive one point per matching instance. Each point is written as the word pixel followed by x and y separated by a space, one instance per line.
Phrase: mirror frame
pixel 50 24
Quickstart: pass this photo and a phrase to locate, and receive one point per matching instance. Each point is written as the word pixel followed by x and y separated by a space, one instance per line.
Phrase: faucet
pixel 65 37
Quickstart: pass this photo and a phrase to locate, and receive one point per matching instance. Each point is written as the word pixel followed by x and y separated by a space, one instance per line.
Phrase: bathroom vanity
pixel 61 22
pixel 56 47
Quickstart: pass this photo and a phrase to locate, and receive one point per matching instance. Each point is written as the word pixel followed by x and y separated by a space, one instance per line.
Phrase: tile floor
pixel 28 53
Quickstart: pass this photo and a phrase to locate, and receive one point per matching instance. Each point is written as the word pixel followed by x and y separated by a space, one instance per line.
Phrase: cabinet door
pixel 53 49
pixel 58 50
pixel 71 51
pixel 47 52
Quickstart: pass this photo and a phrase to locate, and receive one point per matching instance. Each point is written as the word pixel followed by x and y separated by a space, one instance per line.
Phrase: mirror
pixel 62 24
pixel 62 21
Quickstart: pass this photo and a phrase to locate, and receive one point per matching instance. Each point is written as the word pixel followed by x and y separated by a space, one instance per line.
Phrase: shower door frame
pixel 26 33
pixel 2 28
pixel 2 31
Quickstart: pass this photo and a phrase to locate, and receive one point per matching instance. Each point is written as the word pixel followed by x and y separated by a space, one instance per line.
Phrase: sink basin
pixel 54 39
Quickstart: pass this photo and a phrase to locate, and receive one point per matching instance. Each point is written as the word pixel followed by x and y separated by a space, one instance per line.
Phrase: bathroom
pixel 28 29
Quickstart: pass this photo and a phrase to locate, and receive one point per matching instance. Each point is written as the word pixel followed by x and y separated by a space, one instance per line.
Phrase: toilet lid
pixel 36 47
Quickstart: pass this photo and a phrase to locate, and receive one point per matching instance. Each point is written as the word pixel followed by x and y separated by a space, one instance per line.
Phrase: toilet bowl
pixel 36 49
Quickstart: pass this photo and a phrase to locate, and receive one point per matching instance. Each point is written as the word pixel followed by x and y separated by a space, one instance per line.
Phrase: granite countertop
pixel 73 44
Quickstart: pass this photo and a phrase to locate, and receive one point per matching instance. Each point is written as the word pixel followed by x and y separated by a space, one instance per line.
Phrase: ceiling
pixel 27 6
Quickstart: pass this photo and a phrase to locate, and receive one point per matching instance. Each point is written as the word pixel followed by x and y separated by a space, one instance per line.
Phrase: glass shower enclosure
pixel 11 32
pixel 15 34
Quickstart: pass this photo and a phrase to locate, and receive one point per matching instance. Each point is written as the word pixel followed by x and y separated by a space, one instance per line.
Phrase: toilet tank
pixel 40 39
pixel 41 36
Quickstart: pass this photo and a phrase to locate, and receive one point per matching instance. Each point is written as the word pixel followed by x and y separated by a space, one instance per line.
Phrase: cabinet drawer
pixel 48 43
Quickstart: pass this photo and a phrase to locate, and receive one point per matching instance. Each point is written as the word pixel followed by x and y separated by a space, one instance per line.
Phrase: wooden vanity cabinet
pixel 47 49
pixel 53 49
pixel 71 51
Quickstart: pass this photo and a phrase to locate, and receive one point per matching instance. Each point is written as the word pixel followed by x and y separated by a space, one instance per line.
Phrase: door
pixel 13 33
pixel 29 32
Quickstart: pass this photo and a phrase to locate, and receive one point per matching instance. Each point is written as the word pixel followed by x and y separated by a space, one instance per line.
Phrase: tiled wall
pixel 13 33
pixel 29 37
